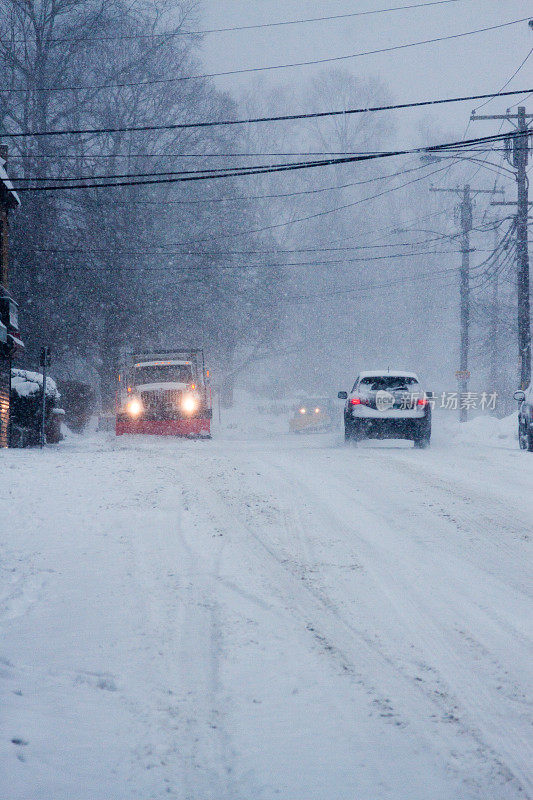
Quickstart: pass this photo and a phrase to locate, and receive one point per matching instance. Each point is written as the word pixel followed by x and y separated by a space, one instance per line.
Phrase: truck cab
pixel 165 394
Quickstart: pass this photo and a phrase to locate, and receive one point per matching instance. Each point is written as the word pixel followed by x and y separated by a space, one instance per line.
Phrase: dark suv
pixel 525 418
pixel 387 405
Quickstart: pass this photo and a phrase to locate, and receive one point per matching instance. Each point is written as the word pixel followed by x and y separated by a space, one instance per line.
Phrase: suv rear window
pixel 387 382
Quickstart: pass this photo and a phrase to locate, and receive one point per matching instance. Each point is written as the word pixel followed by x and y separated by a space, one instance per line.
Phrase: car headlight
pixel 303 410
pixel 189 404
pixel 134 407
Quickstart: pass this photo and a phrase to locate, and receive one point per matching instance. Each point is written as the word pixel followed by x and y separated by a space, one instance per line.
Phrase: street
pixel 265 615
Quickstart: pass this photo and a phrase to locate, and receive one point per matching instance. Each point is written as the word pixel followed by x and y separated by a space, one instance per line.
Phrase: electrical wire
pixel 521 100
pixel 219 253
pixel 506 84
pixel 316 215
pixel 328 295
pixel 280 195
pixel 370 288
pixel 118 176
pixel 273 67
pixel 260 266
pixel 185 176
pixel 490 277
pixel 201 171
pixel 108 156
pixel 487 275
pixel 250 120
pixel 175 33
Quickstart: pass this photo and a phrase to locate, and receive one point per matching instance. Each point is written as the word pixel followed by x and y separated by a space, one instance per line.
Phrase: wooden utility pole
pixel 517 155
pixel 495 322
pixel 466 218
pixel 45 363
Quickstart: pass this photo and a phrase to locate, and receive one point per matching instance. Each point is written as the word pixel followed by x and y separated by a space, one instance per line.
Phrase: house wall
pixel 4 239
pixel 5 385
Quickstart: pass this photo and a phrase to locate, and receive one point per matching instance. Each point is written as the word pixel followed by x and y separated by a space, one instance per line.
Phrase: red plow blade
pixel 169 427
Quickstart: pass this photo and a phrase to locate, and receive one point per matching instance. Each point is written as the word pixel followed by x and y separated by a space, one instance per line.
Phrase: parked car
pixel 525 418
pixel 387 405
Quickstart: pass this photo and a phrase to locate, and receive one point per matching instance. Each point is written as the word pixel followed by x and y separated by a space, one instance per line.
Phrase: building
pixel 10 342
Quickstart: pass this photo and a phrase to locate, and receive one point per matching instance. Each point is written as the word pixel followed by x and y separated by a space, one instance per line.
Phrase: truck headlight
pixel 189 404
pixel 134 407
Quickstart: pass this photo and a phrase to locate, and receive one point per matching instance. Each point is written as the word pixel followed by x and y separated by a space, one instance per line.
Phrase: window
pixel 163 373
pixel 387 383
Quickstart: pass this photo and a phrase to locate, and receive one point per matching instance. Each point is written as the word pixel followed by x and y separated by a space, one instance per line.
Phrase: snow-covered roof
pixel 10 189
pixel 160 385
pixel 17 343
pixel 394 373
pixel 26 384
pixel 162 363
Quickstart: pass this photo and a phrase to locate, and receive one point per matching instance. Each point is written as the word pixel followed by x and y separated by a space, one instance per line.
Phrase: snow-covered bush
pixel 25 408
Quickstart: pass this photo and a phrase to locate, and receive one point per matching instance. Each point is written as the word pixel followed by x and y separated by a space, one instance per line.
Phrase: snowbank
pixel 486 429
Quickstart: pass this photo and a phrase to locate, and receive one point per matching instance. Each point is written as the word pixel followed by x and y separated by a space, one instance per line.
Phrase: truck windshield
pixel 163 373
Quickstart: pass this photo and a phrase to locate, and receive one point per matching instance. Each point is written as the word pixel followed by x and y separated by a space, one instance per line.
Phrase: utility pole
pixel 465 218
pixel 517 155
pixel 494 323
pixel 45 363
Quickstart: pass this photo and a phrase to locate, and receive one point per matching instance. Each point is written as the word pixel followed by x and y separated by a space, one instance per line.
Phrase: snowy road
pixel 266 616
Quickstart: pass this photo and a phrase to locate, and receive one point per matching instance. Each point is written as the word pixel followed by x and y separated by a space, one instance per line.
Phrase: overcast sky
pixel 472 65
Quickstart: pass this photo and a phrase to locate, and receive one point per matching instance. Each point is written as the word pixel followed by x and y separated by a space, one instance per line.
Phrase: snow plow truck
pixel 164 393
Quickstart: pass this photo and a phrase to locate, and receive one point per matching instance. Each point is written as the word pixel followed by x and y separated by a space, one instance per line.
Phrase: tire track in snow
pixel 504 734
pixel 190 717
pixel 336 635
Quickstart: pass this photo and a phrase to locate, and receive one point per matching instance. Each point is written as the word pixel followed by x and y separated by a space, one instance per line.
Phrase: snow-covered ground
pixel 267 616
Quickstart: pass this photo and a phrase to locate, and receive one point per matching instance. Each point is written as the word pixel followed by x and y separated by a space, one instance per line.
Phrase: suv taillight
pixel 355 401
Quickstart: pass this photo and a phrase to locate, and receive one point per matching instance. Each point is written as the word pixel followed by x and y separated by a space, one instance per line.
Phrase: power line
pixel 309 217
pixel 206 171
pixel 279 195
pixel 372 287
pixel 496 252
pixel 100 156
pixel 507 82
pixel 521 100
pixel 312 216
pixel 432 215
pixel 388 284
pixel 270 67
pixel 201 171
pixel 210 239
pixel 173 34
pixel 118 176
pixel 490 276
pixel 232 172
pixel 330 211
pixel 273 196
pixel 260 266
pixel 278 118
pixel 218 253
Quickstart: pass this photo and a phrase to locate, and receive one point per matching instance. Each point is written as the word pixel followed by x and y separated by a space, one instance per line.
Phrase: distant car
pixel 387 405
pixel 312 414
pixel 525 418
